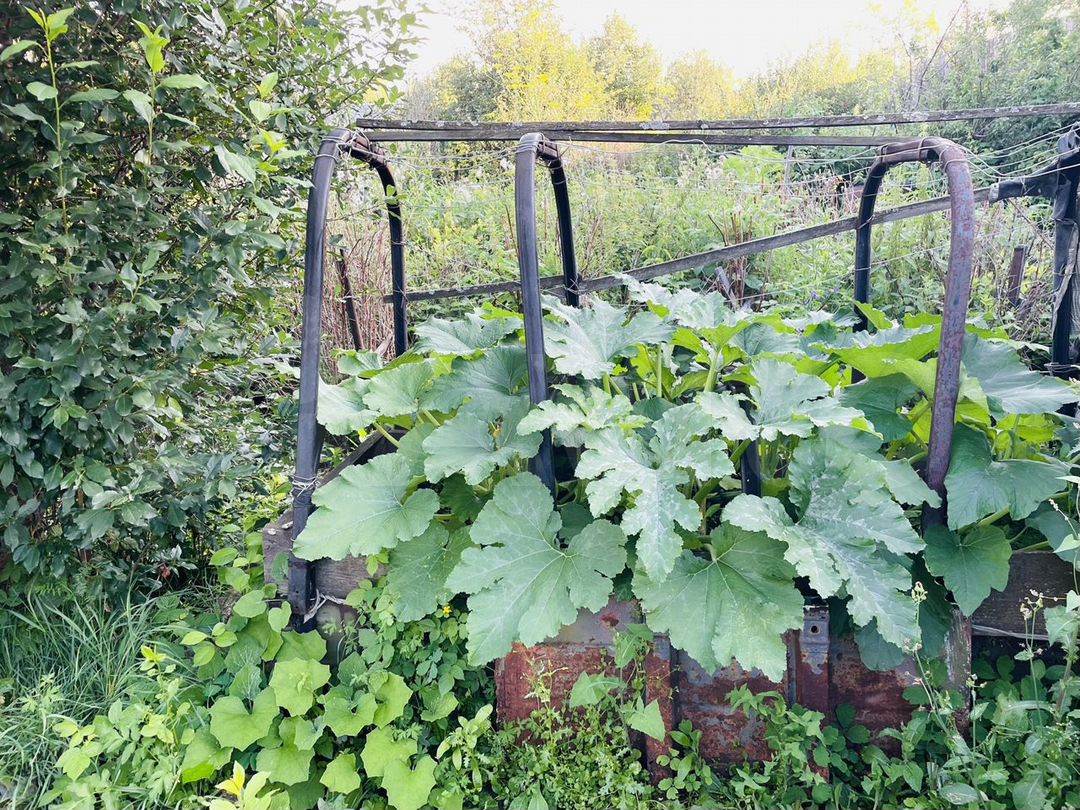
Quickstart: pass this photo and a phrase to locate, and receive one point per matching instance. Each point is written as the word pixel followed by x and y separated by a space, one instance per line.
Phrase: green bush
pixel 156 155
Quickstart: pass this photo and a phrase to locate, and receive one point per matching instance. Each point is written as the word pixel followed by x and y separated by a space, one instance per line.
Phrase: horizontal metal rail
pixel 696 260
pixel 513 132
pixel 825 121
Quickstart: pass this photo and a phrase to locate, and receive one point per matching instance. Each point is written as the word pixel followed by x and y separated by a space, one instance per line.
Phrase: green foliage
pixel 659 407
pixel 1022 746
pixel 155 183
pixel 746 588
pixel 250 692
pixel 525 585
pixel 66 658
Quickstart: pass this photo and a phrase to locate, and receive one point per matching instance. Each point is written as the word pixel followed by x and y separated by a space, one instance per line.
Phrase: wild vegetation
pixel 149 272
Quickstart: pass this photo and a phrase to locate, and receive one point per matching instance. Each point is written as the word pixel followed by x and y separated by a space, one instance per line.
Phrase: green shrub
pixel 155 167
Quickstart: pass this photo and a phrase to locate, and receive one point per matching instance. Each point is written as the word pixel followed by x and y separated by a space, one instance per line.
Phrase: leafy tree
pixel 698 87
pixel 155 174
pixel 545 75
pixel 630 69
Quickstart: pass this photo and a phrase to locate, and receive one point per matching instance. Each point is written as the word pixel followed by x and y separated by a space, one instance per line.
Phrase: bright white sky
pixel 746 35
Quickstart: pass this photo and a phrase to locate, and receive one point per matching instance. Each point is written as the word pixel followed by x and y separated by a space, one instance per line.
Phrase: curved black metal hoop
pixel 532 148
pixel 957 286
pixel 309 437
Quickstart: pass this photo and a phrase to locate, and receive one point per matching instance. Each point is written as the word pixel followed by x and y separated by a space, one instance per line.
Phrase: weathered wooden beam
pixel 911 117
pixel 696 260
pixel 512 133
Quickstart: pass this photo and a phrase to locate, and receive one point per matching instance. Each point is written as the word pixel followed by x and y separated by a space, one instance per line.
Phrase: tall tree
pixel 630 69
pixel 698 87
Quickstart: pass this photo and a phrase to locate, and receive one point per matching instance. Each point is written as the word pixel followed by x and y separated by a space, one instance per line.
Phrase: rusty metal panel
pixel 823 673
pixel 727 735
pixel 682 689
pixel 587 645
pixel 878 697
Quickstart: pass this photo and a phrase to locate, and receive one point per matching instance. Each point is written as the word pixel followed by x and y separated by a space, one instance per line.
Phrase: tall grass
pixel 62 657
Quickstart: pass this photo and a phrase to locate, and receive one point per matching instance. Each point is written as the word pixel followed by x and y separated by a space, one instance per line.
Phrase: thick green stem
pixel 994 518
pixel 386 435
pixel 714 367
pixel 915 414
pixel 739 450
pixel 150 125
pixel 59 131
pixel 660 370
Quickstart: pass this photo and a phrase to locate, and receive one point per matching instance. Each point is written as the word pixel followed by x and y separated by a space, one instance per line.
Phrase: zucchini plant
pixel 655 407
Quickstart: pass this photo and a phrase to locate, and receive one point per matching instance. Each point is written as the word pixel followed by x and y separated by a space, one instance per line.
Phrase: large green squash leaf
pixel 972 564
pixel 741 603
pixel 765 338
pixel 880 400
pixel 366 509
pixel 489 386
pixel 849 537
pixel 575 412
pixel 464 336
pixel 788 403
pixel 867 351
pixel 419 568
pixel 711 317
pixel 1010 386
pixel 616 463
pixel 465 445
pixel 587 341
pixel 341 407
pixel 525 585
pixel 979 486
pixel 399 391
pixel 726 411
pixel 1059 531
pixel 660 299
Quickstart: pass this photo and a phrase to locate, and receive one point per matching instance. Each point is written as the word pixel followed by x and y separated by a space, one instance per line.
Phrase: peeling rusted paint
pixel 823 673
pixel 878 697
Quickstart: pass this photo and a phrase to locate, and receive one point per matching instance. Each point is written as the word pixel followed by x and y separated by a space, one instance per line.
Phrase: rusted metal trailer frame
pixel 820 665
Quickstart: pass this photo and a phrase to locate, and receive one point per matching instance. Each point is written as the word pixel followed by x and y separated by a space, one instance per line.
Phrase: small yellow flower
pixel 445 610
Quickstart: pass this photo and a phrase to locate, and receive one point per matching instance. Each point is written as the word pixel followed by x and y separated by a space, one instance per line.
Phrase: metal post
pixel 1060 183
pixel 361 147
pixel 957 287
pixel 531 148
pixel 308 436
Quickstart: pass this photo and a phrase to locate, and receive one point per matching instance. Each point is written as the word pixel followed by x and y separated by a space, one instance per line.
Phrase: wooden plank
pixel 696 260
pixel 1041 571
pixel 1016 274
pixel 512 133
pixel 911 117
